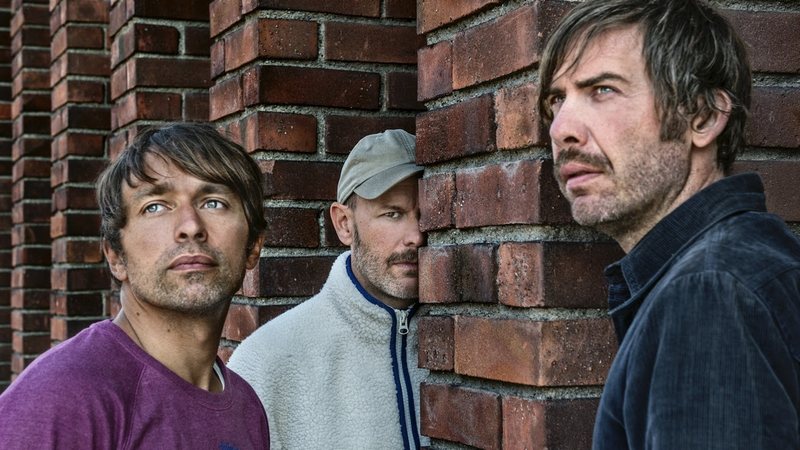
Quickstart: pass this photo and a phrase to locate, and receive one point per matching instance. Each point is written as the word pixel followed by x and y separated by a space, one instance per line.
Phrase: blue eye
pixel 214 204
pixel 153 208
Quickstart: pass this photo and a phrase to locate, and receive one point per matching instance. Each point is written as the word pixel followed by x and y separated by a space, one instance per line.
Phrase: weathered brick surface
pixel 469 416
pixel 433 14
pixel 517 115
pixel 553 353
pixel 551 424
pixel 775 118
pixel 318 183
pixel 780 185
pixel 554 274
pixel 283 85
pixel 290 277
pixel 493 195
pixel 435 71
pixel 401 88
pixel 437 197
pixel 765 35
pixel 344 132
pixel 366 8
pixel 463 129
pixel 242 320
pixel 436 345
pixel 279 132
pixel 292 227
pixel 346 41
pixel 464 273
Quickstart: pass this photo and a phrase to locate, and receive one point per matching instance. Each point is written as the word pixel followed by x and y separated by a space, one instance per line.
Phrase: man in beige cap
pixel 340 369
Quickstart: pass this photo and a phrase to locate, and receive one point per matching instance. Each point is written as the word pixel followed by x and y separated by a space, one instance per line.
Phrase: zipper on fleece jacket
pixel 400 370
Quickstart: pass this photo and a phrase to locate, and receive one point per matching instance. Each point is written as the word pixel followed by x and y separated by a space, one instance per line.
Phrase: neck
pixel 185 345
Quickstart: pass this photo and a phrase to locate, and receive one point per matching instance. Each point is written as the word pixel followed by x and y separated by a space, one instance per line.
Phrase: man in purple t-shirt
pixel 182 219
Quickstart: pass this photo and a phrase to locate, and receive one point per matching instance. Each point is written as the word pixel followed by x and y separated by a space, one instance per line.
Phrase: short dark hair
pixel 691 54
pixel 197 149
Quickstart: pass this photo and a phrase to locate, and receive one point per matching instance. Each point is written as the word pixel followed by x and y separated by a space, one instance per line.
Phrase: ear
pixel 343 220
pixel 116 263
pixel 707 126
pixel 255 251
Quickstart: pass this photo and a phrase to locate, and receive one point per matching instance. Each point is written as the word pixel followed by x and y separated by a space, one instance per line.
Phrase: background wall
pixel 513 327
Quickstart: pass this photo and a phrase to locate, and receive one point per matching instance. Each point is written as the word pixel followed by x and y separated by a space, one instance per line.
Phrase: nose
pixel 189 226
pixel 569 127
pixel 413 236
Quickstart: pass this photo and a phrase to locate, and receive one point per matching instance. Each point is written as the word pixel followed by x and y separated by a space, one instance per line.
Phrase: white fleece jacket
pixel 335 373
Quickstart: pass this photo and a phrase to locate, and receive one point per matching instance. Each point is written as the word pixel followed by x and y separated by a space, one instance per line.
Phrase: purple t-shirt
pixel 100 390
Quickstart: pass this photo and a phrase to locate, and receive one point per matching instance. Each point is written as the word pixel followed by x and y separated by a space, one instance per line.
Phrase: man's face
pixel 610 163
pixel 386 237
pixel 184 243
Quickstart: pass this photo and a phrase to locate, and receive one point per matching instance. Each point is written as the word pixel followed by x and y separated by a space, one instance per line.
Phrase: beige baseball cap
pixel 376 163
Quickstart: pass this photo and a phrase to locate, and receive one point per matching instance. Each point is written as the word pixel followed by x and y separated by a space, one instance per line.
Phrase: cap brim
pixel 383 181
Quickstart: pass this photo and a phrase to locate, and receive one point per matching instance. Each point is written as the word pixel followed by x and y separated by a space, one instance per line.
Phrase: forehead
pixel 617 49
pixel 167 176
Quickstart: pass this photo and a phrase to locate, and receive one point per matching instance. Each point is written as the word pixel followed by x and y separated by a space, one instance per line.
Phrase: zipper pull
pixel 403 322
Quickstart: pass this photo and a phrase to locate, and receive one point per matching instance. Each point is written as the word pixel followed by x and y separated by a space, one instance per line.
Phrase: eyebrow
pixel 162 187
pixel 589 82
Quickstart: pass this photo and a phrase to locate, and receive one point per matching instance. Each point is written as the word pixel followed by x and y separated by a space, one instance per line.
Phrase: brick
pixel 495 49
pixel 78 91
pixel 435 66
pixel 118 15
pixel 194 10
pixel 30 58
pixel 342 133
pixel 78 279
pixel 119 81
pixel 63 224
pixel 159 72
pixel 29 14
pixel 197 41
pixel 533 274
pixel 30 234
pixel 463 129
pixel 225 98
pixel 81 116
pixel 30 147
pixel 365 8
pixel 145 38
pixel 37 277
pixel 534 353
pixel 29 212
pixel 347 41
pixel 146 106
pixel 518 121
pixel 84 11
pixel 30 343
pixel 30 298
pixel 76 304
pixel 780 181
pixel 34 168
pixel 243 320
pixel 30 79
pixel 76 37
pixel 74 197
pixel 280 132
pixel 30 189
pixel 30 256
pixel 90 64
pixel 432 14
pixel 223 14
pixel 30 37
pixel 457 273
pixel 460 414
pixel 764 34
pixel 401 91
pixel 217 52
pixel 271 38
pixel 492 195
pixel 77 251
pixel 31 124
pixel 78 144
pixel 196 106
pixel 318 181
pixel 437 194
pixel 401 9
pixel 775 118
pixel 283 85
pixel 63 328
pixel 436 346
pixel 551 424
pixel 289 276
pixel 292 227
pixel 330 238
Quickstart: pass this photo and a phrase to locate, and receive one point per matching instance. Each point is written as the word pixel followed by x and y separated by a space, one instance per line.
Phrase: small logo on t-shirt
pixel 226 446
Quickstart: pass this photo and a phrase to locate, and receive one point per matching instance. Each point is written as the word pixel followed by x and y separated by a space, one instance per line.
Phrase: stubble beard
pixel 197 293
pixel 378 272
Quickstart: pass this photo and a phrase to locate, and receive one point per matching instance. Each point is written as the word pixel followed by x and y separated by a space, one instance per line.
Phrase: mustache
pixel 406 256
pixel 572 154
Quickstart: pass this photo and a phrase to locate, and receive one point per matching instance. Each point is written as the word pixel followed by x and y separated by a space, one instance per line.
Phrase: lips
pixel 192 262
pixel 574 175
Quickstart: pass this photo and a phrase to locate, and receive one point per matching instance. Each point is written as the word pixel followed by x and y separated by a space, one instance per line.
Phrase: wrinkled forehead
pixel 596 41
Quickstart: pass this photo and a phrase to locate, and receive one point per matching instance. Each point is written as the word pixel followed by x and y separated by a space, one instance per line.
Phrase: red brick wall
pixel 515 334
pixel 298 83
pixel 513 330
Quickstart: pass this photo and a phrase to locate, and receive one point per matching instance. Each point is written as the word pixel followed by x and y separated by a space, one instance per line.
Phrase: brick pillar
pixel 5 195
pixel 516 334
pixel 80 120
pixel 159 63
pixel 159 68
pixel 30 233
pixel 299 86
